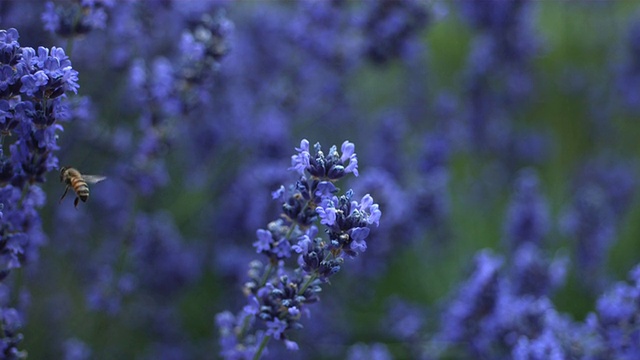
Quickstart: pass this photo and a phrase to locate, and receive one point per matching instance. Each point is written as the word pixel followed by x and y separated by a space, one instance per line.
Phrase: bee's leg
pixel 64 194
pixel 75 202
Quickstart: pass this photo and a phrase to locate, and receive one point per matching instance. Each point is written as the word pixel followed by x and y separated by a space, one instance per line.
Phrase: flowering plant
pixel 33 85
pixel 278 294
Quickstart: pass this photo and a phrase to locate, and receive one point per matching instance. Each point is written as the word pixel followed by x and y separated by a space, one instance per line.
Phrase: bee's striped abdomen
pixel 81 188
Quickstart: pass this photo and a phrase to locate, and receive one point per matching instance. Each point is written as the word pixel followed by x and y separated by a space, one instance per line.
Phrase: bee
pixel 78 182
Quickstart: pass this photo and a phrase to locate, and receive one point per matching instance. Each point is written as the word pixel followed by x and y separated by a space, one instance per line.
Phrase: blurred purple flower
pixel 103 294
pixel 374 351
pixel 546 346
pixel 499 76
pixel 618 313
pixel 533 274
pixel 75 349
pixel 390 28
pixel 333 44
pixel 11 322
pixel 527 220
pixel 475 299
pixel 430 196
pixel 601 196
pixel 406 322
pixel 495 317
pixel 76 18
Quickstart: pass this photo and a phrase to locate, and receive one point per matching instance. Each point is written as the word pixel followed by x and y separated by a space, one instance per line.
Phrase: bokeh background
pixel 477 124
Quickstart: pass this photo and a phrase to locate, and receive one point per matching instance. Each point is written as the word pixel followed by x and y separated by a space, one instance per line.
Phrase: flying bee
pixel 78 182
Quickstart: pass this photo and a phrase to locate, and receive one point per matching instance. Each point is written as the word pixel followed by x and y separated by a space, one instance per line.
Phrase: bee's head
pixel 62 171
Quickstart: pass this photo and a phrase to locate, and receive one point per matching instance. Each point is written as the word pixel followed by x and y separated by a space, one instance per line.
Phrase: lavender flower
pixel 527 219
pixel 347 221
pixel 431 199
pixel 10 49
pixel 498 316
pixel 40 81
pixel 329 168
pixel 545 346
pixel 533 274
pixel 390 27
pixel 499 77
pixel 76 18
pixel 618 313
pixel 278 296
pixel 75 349
pixel 335 43
pixel 273 242
pixel 515 319
pixel 314 258
pixel 204 45
pixel 405 322
pixel 477 298
pixel 31 105
pixel 168 89
pixel 11 322
pixel 602 192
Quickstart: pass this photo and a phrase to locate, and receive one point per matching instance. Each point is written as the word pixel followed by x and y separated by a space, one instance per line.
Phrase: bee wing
pixel 92 179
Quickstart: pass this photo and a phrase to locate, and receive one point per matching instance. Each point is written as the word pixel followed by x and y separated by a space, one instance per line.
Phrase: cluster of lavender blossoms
pixel 33 84
pixel 299 260
pixel 503 310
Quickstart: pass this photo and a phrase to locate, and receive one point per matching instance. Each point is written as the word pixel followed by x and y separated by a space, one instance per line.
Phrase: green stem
pixel 263 345
pixel 266 275
pixel 307 283
pixel 245 326
pixel 290 230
